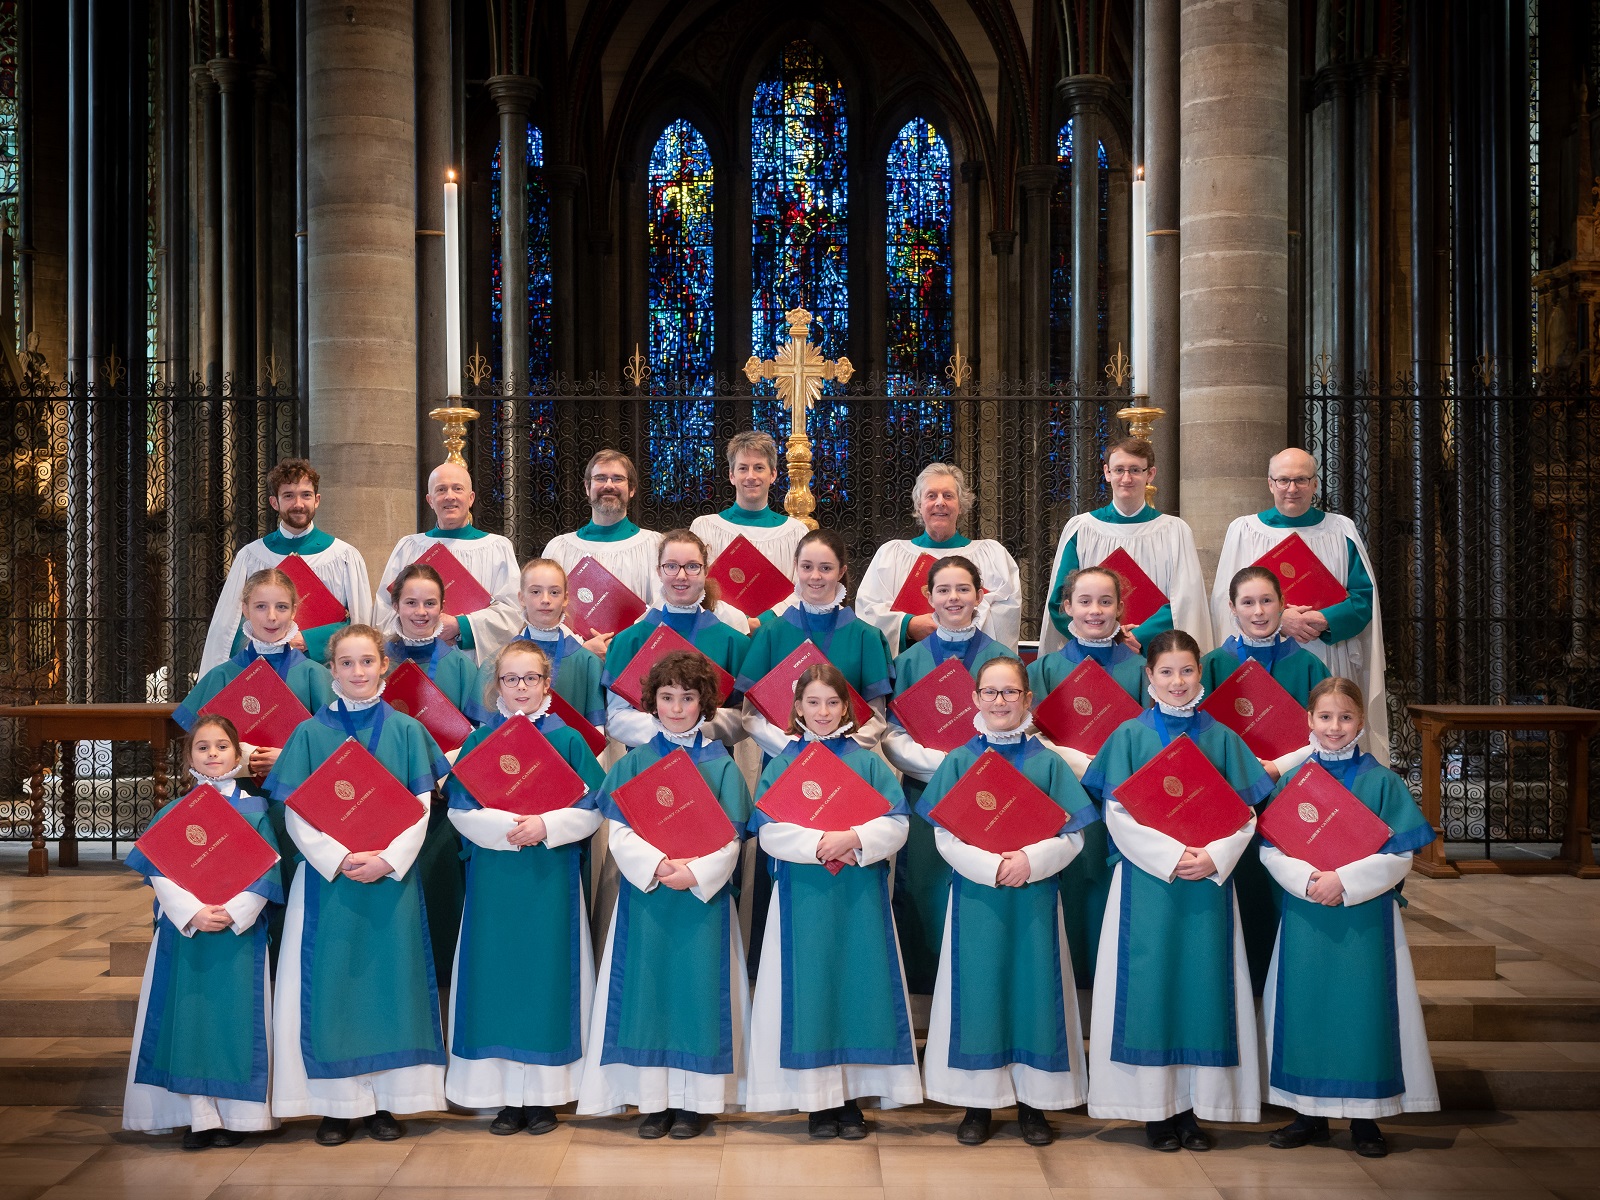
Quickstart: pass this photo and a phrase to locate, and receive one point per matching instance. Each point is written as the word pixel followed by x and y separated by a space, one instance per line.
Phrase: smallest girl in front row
pixel 1344 1023
pixel 200 1044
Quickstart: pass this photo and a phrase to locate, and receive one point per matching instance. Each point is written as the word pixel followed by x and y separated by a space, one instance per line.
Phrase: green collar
pixel 467 533
pixel 1311 516
pixel 954 542
pixel 620 532
pixel 1112 516
pixel 761 518
pixel 314 541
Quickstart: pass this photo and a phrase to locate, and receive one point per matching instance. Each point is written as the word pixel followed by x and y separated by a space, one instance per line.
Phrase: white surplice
pixel 999 612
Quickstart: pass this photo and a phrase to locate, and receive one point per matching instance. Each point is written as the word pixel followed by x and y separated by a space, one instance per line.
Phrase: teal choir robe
pixel 575 668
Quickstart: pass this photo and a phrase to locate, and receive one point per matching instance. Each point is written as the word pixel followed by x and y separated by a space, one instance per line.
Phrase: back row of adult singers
pixel 1347 637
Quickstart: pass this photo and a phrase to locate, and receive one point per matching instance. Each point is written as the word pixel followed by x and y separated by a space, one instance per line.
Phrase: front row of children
pixel 668 1025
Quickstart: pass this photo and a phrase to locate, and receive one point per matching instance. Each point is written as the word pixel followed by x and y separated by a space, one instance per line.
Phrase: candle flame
pixel 1138 172
pixel 450 174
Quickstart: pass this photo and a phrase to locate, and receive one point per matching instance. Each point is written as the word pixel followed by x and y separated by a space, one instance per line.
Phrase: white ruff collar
pixel 818 610
pixel 500 706
pixel 1173 710
pixel 1349 752
pixel 1258 643
pixel 685 739
pixel 1009 738
pixel 226 784
pixel 543 635
pixel 683 610
pixel 808 736
pixel 427 641
pixel 274 647
pixel 356 706
pixel 945 633
pixel 1099 643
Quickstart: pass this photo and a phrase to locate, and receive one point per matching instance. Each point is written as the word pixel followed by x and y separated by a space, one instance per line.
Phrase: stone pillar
pixel 1001 243
pixel 361 269
pixel 263 77
pixel 563 183
pixel 1233 268
pixel 1085 94
pixel 229 74
pixel 513 96
pixel 1162 177
pixel 1038 184
pixel 208 204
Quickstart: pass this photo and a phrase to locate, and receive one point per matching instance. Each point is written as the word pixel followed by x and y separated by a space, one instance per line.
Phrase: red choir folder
pixel 598 602
pixel 909 599
pixel 1179 793
pixel 516 769
pixel 1255 706
pixel 260 705
pixel 205 847
pixel 355 800
pixel 318 605
pixel 937 709
pixel 1085 708
pixel 629 683
pixel 1302 575
pixel 670 805
pixel 1141 598
pixel 1320 821
pixel 571 717
pixel 463 594
pixel 750 581
pixel 818 790
pixel 997 808
pixel 409 690
pixel 773 694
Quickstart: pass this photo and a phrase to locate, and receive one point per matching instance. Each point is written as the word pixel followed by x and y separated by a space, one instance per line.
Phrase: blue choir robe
pixel 703 630
pixel 921 877
pixel 1345 1036
pixel 1173 1025
pixel 1004 1027
pixel 576 670
pixel 357 1026
pixel 518 1020
pixel 202 1038
pixel 673 1003
pixel 830 1021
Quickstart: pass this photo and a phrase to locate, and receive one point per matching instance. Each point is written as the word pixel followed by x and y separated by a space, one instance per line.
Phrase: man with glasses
pixel 1161 544
pixel 1347 636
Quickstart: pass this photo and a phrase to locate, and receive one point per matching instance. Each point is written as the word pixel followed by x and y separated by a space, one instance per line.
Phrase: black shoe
pixel 1369 1139
pixel 1190 1135
pixel 824 1124
pixel 541 1119
pixel 1036 1129
pixel 1301 1131
pixel 974 1127
pixel 226 1137
pixel 334 1131
pixel 655 1125
pixel 197 1139
pixel 512 1119
pixel 382 1127
pixel 1161 1135
pixel 852 1124
pixel 685 1125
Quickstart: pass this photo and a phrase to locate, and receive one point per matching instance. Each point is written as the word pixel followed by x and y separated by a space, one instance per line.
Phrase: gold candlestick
pixel 454 418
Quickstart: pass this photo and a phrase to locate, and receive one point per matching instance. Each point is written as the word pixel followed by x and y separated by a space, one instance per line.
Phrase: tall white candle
pixel 1139 331
pixel 452 287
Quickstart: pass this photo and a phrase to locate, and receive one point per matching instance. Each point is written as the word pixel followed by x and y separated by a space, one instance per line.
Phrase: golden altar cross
pixel 800 371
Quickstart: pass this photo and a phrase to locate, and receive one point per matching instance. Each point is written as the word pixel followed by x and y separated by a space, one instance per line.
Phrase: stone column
pixel 208 204
pixel 1233 268
pixel 1119 211
pixel 1085 94
pixel 972 176
pixel 1162 178
pixel 229 74
pixel 563 183
pixel 1037 183
pixel 263 78
pixel 361 269
pixel 1001 243
pixel 513 96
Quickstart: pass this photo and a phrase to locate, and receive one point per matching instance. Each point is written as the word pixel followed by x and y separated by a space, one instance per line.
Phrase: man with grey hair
pixel 939 499
pixel 1347 636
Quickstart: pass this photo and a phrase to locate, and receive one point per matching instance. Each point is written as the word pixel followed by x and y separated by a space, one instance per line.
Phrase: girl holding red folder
pixel 1004 1028
pixel 206 961
pixel 1345 1036
pixel 673 1004
pixel 922 880
pixel 1173 1031
pixel 831 1024
pixel 357 1026
pixel 518 1021
pixel 418 597
pixel 268 603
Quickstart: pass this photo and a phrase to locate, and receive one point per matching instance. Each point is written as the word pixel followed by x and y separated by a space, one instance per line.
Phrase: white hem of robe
pixel 999 612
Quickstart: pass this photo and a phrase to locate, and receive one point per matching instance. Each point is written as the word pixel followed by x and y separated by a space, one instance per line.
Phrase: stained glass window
pixel 918 243
pixel 10 151
pixel 538 265
pixel 1062 267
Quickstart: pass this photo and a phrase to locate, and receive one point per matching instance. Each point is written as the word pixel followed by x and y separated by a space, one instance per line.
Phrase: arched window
pixel 1062 267
pixel 538 265
pixel 918 253
pixel 10 152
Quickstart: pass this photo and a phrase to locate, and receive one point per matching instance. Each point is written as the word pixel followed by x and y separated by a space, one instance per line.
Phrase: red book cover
pixel 773 693
pixel 818 790
pixel 670 805
pixel 598 602
pixel 909 599
pixel 1141 598
pixel 750 581
pixel 937 709
pixel 205 847
pixel 355 800
pixel 571 717
pixel 1179 793
pixel 1319 820
pixel 997 808
pixel 409 690
pixel 318 605
pixel 1255 706
pixel 516 769
pixel 1302 575
pixel 1084 708
pixel 462 593
pixel 260 705
pixel 629 684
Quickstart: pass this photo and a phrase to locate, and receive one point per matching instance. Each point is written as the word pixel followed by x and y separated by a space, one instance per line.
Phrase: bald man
pixel 488 558
pixel 1348 636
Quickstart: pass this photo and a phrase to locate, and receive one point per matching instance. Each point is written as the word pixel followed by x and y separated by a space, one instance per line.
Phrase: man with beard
pixel 293 491
pixel 487 557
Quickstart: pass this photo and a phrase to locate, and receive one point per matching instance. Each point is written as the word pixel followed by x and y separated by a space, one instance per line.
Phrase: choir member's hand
pixel 298 641
pixel 1325 888
pixel 213 918
pixel 598 643
pixel 450 629
pixel 1303 624
pixel 1014 869
pixel 262 759
pixel 921 627
pixel 753 623
pixel 1125 632
pixel 1196 864
pixel 839 846
pixel 678 877
pixel 528 831
pixel 365 866
pixel 1270 767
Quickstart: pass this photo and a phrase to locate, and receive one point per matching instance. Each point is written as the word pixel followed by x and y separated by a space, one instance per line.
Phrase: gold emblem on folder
pixel 1308 812
pixel 987 802
pixel 196 835
pixel 586 595
pixel 1244 708
pixel 944 706
pixel 400 707
pixel 811 790
pixel 1286 569
pixel 251 705
pixel 345 790
pixel 664 796
pixel 1083 706
pixel 1173 785
pixel 736 574
pixel 509 764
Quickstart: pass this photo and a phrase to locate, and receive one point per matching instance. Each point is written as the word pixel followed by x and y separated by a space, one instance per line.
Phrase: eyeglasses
pixel 1128 472
pixel 1292 480
pixel 608 479
pixel 1006 694
pixel 529 680
pixel 692 570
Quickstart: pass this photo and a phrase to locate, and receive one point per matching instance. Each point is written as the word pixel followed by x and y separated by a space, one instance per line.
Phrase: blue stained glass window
pixel 538 265
pixel 1062 266
pixel 918 243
